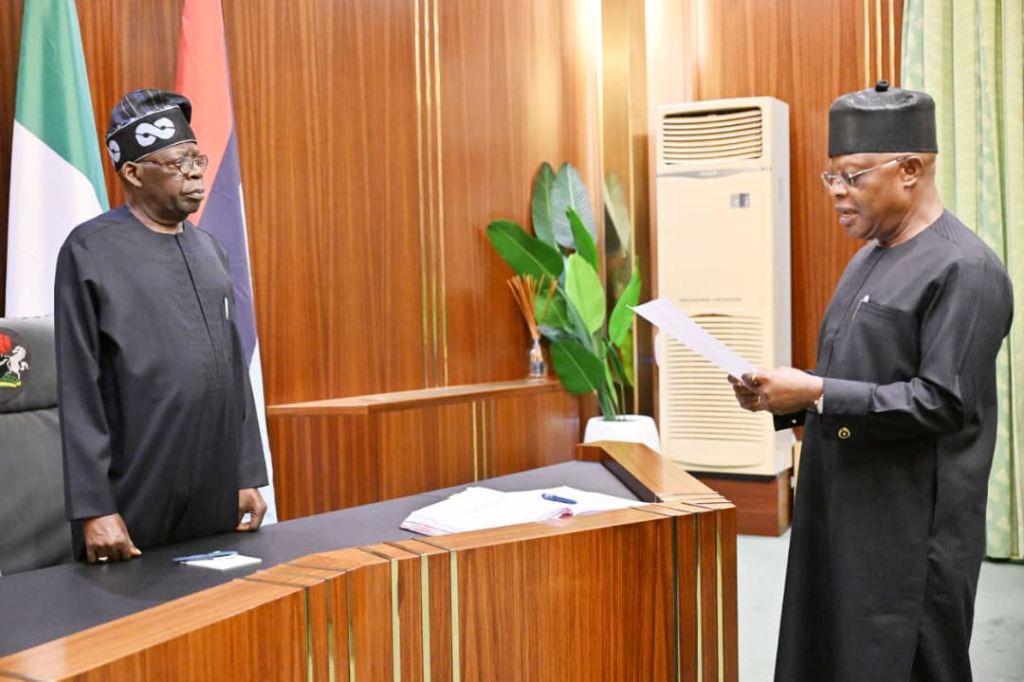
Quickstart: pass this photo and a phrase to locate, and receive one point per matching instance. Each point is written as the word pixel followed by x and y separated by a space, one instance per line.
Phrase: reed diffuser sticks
pixel 526 289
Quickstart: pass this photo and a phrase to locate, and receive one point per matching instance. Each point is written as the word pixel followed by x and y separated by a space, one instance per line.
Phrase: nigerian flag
pixel 56 172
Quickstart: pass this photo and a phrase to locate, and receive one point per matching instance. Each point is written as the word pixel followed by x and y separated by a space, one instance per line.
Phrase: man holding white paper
pixel 900 416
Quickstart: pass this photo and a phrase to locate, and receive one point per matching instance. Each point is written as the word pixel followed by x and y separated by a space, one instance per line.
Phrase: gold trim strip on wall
pixel 676 622
pixel 309 635
pixel 867 44
pixel 878 39
pixel 396 626
pixel 697 574
pixel 428 73
pixel 484 442
pixel 456 635
pixel 332 673
pixel 440 201
pixel 892 43
pixel 424 299
pixel 492 447
pixel 721 607
pixel 351 629
pixel 425 614
pixel 476 449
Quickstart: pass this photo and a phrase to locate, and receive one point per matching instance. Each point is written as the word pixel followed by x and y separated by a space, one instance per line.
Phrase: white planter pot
pixel 629 428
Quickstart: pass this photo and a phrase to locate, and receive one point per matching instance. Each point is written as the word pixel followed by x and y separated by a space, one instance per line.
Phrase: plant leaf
pixel 610 382
pixel 570 192
pixel 584 244
pixel 618 211
pixel 621 320
pixel 555 314
pixel 580 370
pixel 524 254
pixel 616 363
pixel 540 205
pixel 579 330
pixel 626 351
pixel 584 290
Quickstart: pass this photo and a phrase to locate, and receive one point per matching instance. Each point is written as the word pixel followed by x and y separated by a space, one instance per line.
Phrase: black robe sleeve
pixel 85 432
pixel 960 334
pixel 252 468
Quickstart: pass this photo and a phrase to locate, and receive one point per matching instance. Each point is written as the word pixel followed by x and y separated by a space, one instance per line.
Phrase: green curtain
pixel 968 55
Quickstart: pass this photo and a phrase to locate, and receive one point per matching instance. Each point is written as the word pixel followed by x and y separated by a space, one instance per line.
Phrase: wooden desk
pixel 647 593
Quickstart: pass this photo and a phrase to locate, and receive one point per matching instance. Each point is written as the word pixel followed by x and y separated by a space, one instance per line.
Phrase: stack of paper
pixel 476 508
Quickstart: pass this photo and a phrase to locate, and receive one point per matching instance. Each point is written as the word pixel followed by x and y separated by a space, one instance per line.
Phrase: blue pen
pixel 556 498
pixel 209 555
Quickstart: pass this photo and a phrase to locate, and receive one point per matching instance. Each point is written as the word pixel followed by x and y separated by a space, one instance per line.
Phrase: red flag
pixel 203 78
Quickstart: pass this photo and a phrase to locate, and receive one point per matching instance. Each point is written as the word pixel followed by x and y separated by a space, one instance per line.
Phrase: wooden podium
pixel 647 593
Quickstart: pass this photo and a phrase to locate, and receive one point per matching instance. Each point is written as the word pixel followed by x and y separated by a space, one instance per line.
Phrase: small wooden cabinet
pixel 332 454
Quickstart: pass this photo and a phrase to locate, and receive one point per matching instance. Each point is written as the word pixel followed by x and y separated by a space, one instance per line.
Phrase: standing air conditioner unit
pixel 723 258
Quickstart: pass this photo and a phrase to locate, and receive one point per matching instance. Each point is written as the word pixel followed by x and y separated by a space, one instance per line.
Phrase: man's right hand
pixel 106 539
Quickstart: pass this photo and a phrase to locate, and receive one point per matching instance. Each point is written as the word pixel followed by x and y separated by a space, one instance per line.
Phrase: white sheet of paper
pixel 664 315
pixel 223 563
pixel 476 508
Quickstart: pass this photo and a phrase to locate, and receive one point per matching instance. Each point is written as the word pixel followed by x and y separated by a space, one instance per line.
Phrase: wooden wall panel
pixel 517 87
pixel 526 432
pixel 805 53
pixel 329 462
pixel 10 45
pixel 423 449
pixel 325 99
pixel 335 454
pixel 377 139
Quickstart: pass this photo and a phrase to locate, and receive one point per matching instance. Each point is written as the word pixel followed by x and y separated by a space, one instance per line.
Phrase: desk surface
pixel 39 606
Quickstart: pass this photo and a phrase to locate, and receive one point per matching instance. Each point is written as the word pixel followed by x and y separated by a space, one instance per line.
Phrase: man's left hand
pixel 784 390
pixel 250 501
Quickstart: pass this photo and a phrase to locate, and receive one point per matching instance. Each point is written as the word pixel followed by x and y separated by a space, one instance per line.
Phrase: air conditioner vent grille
pixel 701 405
pixel 735 134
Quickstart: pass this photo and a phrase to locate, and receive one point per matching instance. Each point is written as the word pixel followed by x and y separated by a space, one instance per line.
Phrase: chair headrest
pixel 28 364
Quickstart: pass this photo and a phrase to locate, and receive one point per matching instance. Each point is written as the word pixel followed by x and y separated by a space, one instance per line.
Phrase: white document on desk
pixel 477 508
pixel 224 563
pixel 667 317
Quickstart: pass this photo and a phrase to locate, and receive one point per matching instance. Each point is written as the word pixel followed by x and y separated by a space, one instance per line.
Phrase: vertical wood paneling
pixel 514 79
pixel 805 53
pixel 325 100
pixel 526 432
pixel 376 139
pixel 627 633
pixel 328 462
pixel 10 45
pixel 625 157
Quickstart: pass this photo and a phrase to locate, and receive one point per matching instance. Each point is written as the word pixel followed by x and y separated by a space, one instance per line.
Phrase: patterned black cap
pixel 145 121
pixel 880 120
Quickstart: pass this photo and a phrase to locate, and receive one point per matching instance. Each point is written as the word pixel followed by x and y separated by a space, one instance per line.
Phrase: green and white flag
pixel 56 172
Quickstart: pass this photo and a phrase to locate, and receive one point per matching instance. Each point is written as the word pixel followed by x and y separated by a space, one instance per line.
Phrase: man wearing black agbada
pixel 900 416
pixel 158 423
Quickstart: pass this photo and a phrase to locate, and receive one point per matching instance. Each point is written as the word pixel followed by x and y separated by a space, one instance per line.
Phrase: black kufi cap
pixel 882 119
pixel 145 121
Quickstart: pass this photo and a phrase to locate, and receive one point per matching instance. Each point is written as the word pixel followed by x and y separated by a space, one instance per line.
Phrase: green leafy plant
pixel 587 344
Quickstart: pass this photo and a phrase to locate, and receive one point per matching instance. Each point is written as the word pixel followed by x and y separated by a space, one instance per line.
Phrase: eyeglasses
pixel 850 179
pixel 184 164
